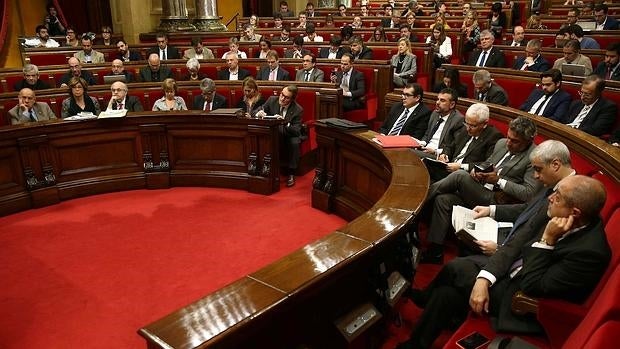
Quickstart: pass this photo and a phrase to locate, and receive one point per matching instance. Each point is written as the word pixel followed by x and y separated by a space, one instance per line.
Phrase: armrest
pixel 523 304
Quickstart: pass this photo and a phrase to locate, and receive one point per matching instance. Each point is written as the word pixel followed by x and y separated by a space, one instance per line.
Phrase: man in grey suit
pixel 29 110
pixel 309 71
pixel 209 99
pixel 508 178
pixel 443 124
pixel 272 71
pixel 486 90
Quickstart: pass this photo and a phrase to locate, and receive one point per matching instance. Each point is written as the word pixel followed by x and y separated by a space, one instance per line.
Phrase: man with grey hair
pixel 249 35
pixel 487 55
pixel 120 100
pixel 505 177
pixel 193 71
pixel 533 60
pixel 487 90
pixel 31 79
pixel 209 99
pixel 471 144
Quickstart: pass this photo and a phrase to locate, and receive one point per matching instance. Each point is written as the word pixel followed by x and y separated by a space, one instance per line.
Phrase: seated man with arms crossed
pixel 564 259
pixel 29 110
pixel 292 113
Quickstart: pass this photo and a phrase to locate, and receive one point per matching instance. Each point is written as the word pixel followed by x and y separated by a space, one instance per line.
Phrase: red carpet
pixel 88 273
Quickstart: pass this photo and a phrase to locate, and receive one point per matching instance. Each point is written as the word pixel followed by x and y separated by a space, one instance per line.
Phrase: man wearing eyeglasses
pixel 410 117
pixel 288 109
pixel 591 113
pixel 120 100
pixel 309 71
pixel 209 99
pixel 163 50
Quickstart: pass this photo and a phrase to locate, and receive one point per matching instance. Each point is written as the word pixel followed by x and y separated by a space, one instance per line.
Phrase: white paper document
pixel 484 228
pixel 113 114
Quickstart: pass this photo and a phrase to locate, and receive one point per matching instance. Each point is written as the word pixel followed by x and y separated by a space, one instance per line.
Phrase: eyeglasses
pixel 468 125
pixel 407 95
pixel 285 96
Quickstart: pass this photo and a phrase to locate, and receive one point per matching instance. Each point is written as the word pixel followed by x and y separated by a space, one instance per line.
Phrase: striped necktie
pixel 398 126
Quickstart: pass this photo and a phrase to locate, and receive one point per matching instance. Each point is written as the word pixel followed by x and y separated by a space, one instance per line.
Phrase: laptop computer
pixel 108 79
pixel 573 69
pixel 587 25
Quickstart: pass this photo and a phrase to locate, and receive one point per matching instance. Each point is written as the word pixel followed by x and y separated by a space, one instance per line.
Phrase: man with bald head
pixel 120 100
pixel 29 110
pixel 155 72
pixel 75 69
pixel 119 69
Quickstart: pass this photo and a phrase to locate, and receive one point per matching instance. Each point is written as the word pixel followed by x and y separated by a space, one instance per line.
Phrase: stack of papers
pixel 113 114
pixel 82 116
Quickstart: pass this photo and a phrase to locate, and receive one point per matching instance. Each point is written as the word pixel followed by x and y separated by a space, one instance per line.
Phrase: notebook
pixel 573 69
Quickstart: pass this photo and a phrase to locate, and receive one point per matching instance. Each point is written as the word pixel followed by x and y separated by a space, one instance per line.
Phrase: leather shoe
pixel 430 258
pixel 291 181
pixel 417 297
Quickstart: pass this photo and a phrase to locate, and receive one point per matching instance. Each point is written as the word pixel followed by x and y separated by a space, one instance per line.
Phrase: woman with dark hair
pixel 79 101
pixel 497 19
pixel 52 22
pixel 72 38
pixel 346 32
pixel 452 80
pixel 106 36
pixel 265 47
pixel 252 98
pixel 441 46
pixel 378 35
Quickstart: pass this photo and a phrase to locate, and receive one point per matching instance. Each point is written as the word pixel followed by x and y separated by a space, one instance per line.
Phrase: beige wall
pixel 24 17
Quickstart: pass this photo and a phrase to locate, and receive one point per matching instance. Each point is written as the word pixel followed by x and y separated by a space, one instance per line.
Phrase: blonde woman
pixel 252 98
pixel 404 63
pixel 441 21
pixel 170 101
pixel 470 31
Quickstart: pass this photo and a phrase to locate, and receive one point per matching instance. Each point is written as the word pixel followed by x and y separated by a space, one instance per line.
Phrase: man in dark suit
pixel 563 259
pixel 298 50
pixel 284 11
pixel 352 83
pixel 154 72
pixel 592 113
pixel 410 117
pixel 125 54
pixel 234 72
pixel 603 21
pixel 487 55
pixel 310 72
pixel 443 124
pixel 75 69
pixel 358 49
pixel 119 69
pixel 29 110
pixel 163 50
pixel 550 101
pixel 609 69
pixel 509 180
pixel 285 34
pixel 31 79
pixel 533 60
pixel 486 90
pixel 120 100
pixel 209 99
pixel 471 144
pixel 272 71
pixel 518 37
pixel 335 49
pixel 292 113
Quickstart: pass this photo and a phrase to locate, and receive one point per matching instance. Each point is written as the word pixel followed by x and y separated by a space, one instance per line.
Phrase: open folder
pixel 396 141
pixel 468 229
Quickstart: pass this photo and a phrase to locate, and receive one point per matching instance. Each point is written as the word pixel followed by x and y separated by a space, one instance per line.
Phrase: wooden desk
pixel 294 301
pixel 44 163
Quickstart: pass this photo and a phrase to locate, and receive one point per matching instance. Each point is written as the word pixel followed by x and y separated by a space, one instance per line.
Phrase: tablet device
pixel 109 79
pixel 473 341
pixel 573 69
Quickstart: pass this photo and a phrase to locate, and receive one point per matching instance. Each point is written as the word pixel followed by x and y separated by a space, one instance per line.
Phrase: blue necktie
pixel 531 209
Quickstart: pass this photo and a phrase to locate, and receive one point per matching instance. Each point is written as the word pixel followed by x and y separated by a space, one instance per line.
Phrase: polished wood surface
pixel 295 300
pixel 44 163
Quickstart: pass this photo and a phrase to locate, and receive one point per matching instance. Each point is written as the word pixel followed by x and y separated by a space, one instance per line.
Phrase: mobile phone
pixel 484 167
pixel 472 341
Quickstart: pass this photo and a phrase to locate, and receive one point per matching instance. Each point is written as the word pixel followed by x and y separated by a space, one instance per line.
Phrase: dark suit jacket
pixel 461 89
pixel 570 272
pixel 509 42
pixel 290 52
pixel 282 75
pixel 171 52
pixel 133 56
pixel 86 75
pixel 599 120
pixel 495 58
pixel 601 70
pixel 132 103
pixel 292 121
pixel 453 124
pixel 540 64
pixel 555 109
pixel 611 23
pixel 146 75
pixel 357 86
pixel 415 125
pixel 365 53
pixel 479 149
pixel 517 171
pixel 219 101
pixel 224 74
pixel 495 94
pixel 324 52
pixel 40 85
